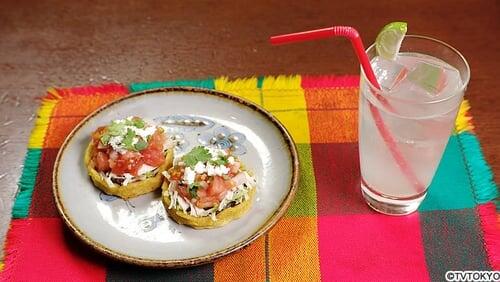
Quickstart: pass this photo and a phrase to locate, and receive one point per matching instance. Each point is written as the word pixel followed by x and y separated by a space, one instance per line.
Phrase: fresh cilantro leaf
pixel 193 189
pixel 129 139
pixel 222 160
pixel 138 122
pixel 197 154
pixel 141 145
pixel 116 129
pixel 105 138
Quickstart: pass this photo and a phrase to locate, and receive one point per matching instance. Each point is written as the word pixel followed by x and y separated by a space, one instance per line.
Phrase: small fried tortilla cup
pixel 130 190
pixel 206 222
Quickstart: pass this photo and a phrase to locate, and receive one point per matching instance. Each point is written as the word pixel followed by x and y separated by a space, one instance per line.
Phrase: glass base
pixel 391 206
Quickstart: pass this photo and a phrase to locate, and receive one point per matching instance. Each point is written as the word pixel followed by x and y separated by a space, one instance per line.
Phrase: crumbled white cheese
pixel 210 169
pixel 144 133
pixel 115 143
pixel 219 170
pixel 189 175
pixel 216 170
pixel 216 152
pixel 231 160
pixel 199 168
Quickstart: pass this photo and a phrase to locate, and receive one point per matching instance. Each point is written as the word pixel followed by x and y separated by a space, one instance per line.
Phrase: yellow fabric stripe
pixel 464 121
pixel 242 87
pixel 283 93
pixel 42 121
pixel 284 97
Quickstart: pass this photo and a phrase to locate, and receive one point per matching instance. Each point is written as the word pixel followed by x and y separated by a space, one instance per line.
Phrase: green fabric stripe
pixel 141 86
pixel 26 184
pixel 304 203
pixel 451 178
pixel 485 188
pixel 260 80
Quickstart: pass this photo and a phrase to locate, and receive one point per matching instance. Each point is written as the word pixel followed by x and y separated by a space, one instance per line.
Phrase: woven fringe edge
pixel 463 122
pixel 105 89
pixel 490 224
pixel 44 113
pixel 141 86
pixel 330 81
pixel 484 186
pixel 16 230
pixel 282 82
pixel 485 193
pixel 26 183
pixel 225 84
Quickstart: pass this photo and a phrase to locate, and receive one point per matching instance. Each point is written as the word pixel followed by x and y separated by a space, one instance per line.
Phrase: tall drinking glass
pixel 421 91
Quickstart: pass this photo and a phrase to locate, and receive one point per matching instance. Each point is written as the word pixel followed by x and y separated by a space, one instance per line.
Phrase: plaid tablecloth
pixel 328 233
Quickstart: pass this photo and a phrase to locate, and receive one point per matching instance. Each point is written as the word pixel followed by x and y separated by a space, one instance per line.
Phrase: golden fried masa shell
pixel 223 217
pixel 133 189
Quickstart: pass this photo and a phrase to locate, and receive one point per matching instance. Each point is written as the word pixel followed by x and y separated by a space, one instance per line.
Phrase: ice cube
pixel 389 73
pixel 430 77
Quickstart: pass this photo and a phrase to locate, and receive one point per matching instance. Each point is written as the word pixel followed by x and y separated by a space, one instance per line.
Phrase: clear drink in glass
pixel 421 91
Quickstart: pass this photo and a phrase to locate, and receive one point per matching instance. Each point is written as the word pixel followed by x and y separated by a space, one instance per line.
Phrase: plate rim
pixel 176 263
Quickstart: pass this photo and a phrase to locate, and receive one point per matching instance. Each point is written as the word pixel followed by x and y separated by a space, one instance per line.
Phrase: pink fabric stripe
pixel 490 223
pixel 113 88
pixel 13 241
pixel 41 248
pixel 330 81
pixel 371 247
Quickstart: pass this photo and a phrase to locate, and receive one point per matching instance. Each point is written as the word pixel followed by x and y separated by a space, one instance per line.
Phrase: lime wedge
pixel 389 40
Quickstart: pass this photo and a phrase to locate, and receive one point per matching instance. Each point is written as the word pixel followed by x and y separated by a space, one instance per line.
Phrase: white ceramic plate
pixel 139 230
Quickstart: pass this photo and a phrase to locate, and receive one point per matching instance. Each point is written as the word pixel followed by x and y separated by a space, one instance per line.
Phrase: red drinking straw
pixel 353 36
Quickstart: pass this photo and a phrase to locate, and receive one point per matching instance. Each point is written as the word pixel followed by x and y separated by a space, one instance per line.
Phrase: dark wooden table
pixel 67 43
